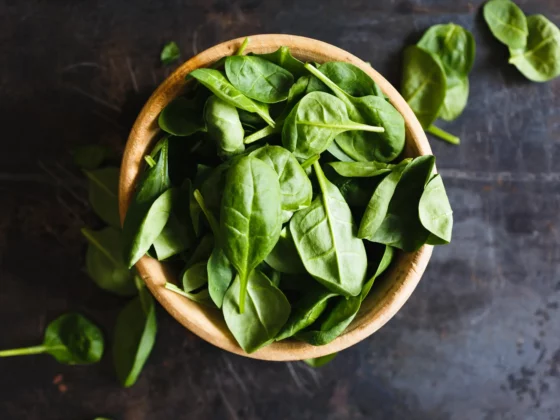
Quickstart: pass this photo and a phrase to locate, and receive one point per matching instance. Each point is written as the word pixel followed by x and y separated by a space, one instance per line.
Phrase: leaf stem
pixel 444 135
pixel 150 161
pixel 310 161
pixel 209 216
pixel 243 46
pixel 263 132
pixel 24 351
pixel 173 288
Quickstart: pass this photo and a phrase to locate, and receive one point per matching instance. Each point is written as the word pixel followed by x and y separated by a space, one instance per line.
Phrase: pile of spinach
pixel 278 195
pixel 533 41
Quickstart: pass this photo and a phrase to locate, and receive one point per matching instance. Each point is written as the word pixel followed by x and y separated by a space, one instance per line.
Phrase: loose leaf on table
pixel 320 361
pixel 250 216
pixel 283 58
pixel 170 53
pixel 382 145
pixel 266 311
pixel 435 211
pixel 314 122
pixel 71 339
pixel 259 79
pixel 284 256
pixel 325 237
pixel 507 22
pixel 305 312
pixel 295 185
pixel 105 264
pixel 103 194
pixel 401 226
pixel 423 84
pixel 539 61
pixel 216 82
pixel 361 169
pixel 456 98
pixel 134 337
pixel 181 117
pixel 91 156
pixel 224 126
pixel 149 210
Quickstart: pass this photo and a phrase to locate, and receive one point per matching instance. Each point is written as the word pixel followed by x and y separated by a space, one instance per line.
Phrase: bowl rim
pixel 205 322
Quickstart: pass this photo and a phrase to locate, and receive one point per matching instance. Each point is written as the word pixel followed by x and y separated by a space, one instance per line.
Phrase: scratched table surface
pixel 479 339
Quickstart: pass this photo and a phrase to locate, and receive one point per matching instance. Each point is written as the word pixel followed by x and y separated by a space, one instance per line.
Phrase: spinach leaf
pixel 295 185
pixel 220 275
pixel 265 312
pixel 134 337
pixel 181 117
pixel 71 339
pixel 363 145
pixel 170 53
pixel 202 251
pixel 324 235
pixel 356 191
pixel 284 256
pixel 361 169
pixel 506 22
pixel 250 216
pixel 149 210
pixel 351 79
pixel 91 156
pixel 435 211
pixel 103 194
pixel 335 150
pixel 217 83
pixel 386 259
pixel 313 123
pixel 258 78
pixel 423 84
pixel 224 126
pixel 456 98
pixel 202 297
pixel 401 226
pixel 283 58
pixel 105 264
pixel 320 361
pixel 539 61
pixel 195 277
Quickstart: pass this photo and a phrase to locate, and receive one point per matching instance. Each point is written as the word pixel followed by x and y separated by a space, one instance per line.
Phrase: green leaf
pixel 104 194
pixel 250 216
pixel 217 83
pixel 435 211
pixel 507 22
pixel 134 337
pixel 105 264
pixel 456 98
pixel 259 79
pixel 320 361
pixel 170 53
pixel 181 117
pixel 266 311
pixel 361 169
pixel 224 126
pixel 284 256
pixel 91 156
pixel 350 78
pixel 539 61
pixel 283 58
pixel 386 260
pixel 220 275
pixel 195 277
pixel 325 237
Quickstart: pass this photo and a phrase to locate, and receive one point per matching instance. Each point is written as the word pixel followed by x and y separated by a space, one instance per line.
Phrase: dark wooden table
pixel 479 339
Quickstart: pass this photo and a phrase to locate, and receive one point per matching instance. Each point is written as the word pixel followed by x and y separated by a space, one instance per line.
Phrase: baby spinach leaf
pixel 435 211
pixel 195 277
pixel 91 156
pixel 217 83
pixel 539 61
pixel 305 312
pixel 356 191
pixel 170 53
pixel 295 185
pixel 258 78
pixel 71 339
pixel 324 235
pixel 320 361
pixel 105 264
pixel 202 297
pixel 202 251
pixel 220 275
pixel 361 169
pixel 507 22
pixel 423 84
pixel 386 260
pixel 350 78
pixel 265 312
pixel 401 227
pixel 384 145
pixel 284 256
pixel 335 150
pixel 149 210
pixel 224 126
pixel 250 216
pixel 456 98
pixel 313 123
pixel 181 117
pixel 134 337
pixel 283 58
pixel 103 194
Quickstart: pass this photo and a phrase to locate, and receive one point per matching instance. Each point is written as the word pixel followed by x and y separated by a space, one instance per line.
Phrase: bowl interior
pixel 389 293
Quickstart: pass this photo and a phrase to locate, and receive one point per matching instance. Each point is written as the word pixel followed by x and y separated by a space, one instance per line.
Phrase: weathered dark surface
pixel 479 339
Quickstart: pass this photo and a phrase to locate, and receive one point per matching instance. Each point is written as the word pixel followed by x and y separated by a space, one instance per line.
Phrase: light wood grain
pixel 389 293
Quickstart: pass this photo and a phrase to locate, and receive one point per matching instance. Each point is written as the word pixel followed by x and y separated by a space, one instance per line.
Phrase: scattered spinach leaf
pixel 507 22
pixel 103 194
pixel 170 53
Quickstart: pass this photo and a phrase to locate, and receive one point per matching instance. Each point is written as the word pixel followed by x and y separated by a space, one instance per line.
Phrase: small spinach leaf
pixel 320 361
pixel 181 117
pixel 435 211
pixel 170 53
pixel 224 126
pixel 361 169
pixel 283 58
pixel 284 256
pixel 350 78
pixel 507 22
pixel 91 156
pixel 103 194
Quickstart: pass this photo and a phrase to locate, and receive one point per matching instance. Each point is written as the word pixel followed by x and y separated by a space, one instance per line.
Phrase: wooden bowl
pixel 388 294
